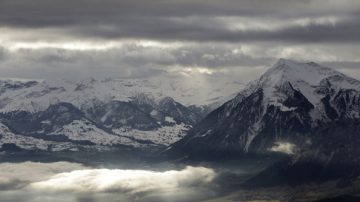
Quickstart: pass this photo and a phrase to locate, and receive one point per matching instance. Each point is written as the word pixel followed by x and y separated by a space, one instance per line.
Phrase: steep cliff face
pixel 282 110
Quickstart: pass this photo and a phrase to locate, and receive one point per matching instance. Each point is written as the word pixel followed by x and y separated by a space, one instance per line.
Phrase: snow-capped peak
pixel 285 70
pixel 310 79
pixel 304 77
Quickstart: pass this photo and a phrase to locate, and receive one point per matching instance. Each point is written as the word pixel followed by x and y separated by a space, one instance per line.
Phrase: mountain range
pixel 60 115
pixel 298 109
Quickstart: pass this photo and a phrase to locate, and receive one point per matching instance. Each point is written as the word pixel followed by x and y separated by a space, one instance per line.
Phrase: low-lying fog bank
pixel 68 182
pixel 64 181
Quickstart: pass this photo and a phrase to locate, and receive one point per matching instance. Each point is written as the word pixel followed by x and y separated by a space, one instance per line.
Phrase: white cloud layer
pixel 126 181
pixel 74 182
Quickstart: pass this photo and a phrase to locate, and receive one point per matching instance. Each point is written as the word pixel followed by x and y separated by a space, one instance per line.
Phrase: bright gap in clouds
pixel 239 23
pixel 84 45
pixel 81 46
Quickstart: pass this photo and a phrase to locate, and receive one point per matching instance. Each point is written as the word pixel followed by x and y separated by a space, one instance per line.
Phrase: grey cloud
pixel 11 184
pixel 16 176
pixel 350 68
pixel 31 13
pixel 3 54
pixel 208 33
pixel 181 20
pixel 216 56
pixel 132 60
pixel 210 29
pixel 128 61
pixel 348 31
pixel 344 64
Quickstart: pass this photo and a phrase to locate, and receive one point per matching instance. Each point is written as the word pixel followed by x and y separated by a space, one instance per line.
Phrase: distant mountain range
pixel 60 115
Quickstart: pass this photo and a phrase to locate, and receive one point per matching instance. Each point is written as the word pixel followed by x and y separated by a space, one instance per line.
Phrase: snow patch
pixel 154 113
pixel 30 143
pixel 170 119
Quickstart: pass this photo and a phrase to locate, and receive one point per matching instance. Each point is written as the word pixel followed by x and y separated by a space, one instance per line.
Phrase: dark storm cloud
pixel 213 30
pixel 39 13
pixel 183 20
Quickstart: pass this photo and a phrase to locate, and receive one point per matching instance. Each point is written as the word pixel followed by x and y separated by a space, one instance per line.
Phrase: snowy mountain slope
pixel 310 79
pixel 83 130
pixel 286 105
pixel 117 114
pixel 8 85
pixel 177 112
pixel 65 124
pixel 165 135
pixel 30 143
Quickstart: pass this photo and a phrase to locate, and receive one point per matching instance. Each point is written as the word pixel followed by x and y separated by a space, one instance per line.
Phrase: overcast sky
pixel 141 38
